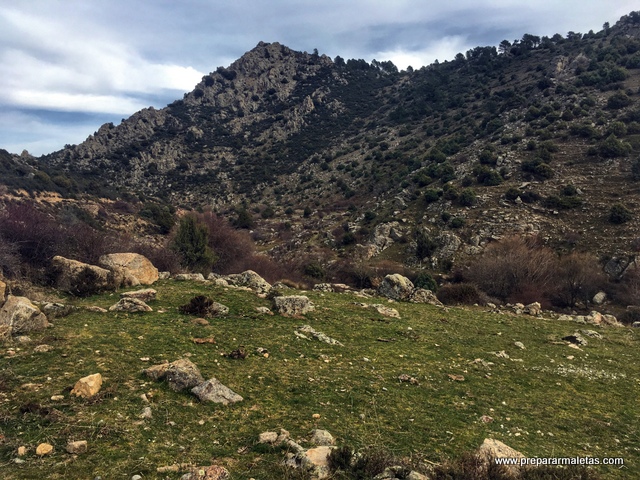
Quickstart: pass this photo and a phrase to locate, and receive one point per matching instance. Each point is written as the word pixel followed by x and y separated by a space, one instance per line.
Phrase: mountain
pixel 425 167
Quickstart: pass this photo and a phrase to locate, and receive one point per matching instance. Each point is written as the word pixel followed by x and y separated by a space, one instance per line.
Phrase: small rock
pixel 213 472
pixel 520 345
pixel 599 298
pixel 321 438
pixel 57 398
pixel 145 295
pixel 88 386
pixel 146 413
pixel 268 437
pixel 43 348
pixel 22 339
pixel 203 322
pixel 264 310
pixel 214 391
pixel 194 277
pixel 292 305
pixel 22 451
pixel 575 339
pixel 130 305
pixel 77 447
pixel 136 477
pixel 44 449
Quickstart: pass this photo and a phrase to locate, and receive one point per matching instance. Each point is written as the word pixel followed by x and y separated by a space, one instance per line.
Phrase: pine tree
pixel 192 243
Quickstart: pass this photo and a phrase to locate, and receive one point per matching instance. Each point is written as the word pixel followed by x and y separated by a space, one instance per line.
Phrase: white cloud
pixel 444 49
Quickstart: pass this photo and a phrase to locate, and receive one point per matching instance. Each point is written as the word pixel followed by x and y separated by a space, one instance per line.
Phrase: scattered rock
pixel 268 437
pixel 576 339
pixel 57 398
pixel 486 419
pixel 93 308
pixel 396 287
pixel 381 309
pixel 321 438
pixel 200 321
pixel 77 448
pixel 323 287
pixel 145 295
pixel 305 330
pixel 56 310
pixel 182 374
pixel 43 348
pixel 87 386
pixel 213 472
pixel 193 277
pixel 456 378
pixel 214 391
pixel 408 378
pixel 19 315
pixel 533 309
pixel 164 275
pixel 591 333
pixel 520 345
pixel 146 413
pixel 22 339
pixel 491 449
pixel 292 305
pixel 22 451
pixel 130 305
pixel 250 279
pixel 135 268
pixel 44 449
pixel 264 310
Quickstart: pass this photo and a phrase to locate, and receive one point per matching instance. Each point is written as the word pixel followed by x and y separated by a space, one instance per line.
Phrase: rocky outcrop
pixel 76 277
pixel 421 295
pixel 135 268
pixel 292 305
pixel 19 315
pixel 193 277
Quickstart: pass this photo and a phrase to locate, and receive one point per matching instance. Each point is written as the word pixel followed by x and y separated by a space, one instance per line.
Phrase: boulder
pixel 72 276
pixel 214 391
pixel 599 298
pixel 533 309
pixel 321 438
pixel 87 386
pixel 182 374
pixel 396 287
pixel 19 315
pixel 136 268
pixel 130 305
pixel 250 279
pixel 421 295
pixel 491 449
pixel 292 305
pixel 157 372
pixel 56 310
pixel 146 294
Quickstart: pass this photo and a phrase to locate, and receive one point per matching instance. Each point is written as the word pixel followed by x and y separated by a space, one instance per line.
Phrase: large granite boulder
pixel 214 391
pixel 292 305
pixel 19 315
pixel 77 277
pixel 135 268
pixel 396 287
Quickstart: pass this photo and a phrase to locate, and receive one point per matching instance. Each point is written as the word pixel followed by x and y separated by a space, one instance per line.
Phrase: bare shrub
pixel 578 277
pixel 627 292
pixel 513 265
pixel 461 294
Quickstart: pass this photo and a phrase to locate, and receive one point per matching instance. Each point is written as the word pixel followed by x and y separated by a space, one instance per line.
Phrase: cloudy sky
pixel 68 66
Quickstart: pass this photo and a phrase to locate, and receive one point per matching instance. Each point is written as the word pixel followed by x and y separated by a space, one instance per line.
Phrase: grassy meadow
pixel 547 400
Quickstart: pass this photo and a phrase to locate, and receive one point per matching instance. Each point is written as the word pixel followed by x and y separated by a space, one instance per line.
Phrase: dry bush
pixel 9 260
pixel 231 246
pixel 512 266
pixel 578 278
pixel 461 294
pixel 627 292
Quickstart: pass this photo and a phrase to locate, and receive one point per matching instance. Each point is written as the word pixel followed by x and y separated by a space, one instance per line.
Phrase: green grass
pixel 545 405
